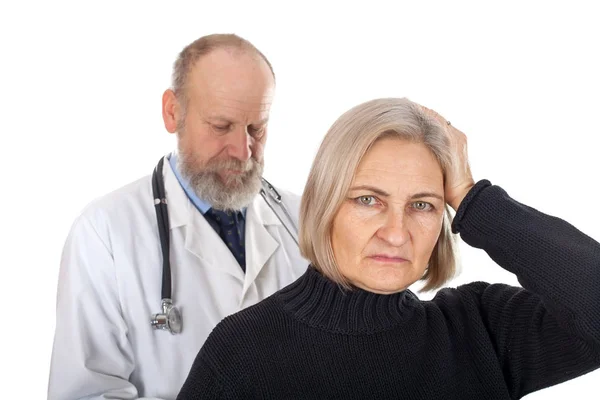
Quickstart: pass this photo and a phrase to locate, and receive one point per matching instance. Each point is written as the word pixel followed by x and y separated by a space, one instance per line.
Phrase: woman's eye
pixel 422 206
pixel 366 200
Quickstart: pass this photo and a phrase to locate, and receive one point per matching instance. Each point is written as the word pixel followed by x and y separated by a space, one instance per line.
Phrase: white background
pixel 81 87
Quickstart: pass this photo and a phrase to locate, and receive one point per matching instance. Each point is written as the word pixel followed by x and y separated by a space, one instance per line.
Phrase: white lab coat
pixel 110 284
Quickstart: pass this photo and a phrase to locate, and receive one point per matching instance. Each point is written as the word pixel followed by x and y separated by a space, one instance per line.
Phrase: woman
pixel 374 221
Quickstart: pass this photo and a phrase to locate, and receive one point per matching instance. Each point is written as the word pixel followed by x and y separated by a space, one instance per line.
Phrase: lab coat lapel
pixel 200 238
pixel 260 244
pixel 202 241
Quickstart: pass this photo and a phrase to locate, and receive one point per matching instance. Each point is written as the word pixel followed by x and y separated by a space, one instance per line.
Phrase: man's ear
pixel 171 111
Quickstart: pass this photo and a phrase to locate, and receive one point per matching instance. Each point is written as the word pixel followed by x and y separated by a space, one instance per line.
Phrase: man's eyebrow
pixel 261 122
pixel 219 118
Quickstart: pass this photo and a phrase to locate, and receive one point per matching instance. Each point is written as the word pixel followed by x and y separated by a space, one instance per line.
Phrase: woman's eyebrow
pixel 427 194
pixel 371 189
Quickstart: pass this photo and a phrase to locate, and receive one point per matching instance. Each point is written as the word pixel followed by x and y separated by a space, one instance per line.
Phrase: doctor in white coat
pixel 111 271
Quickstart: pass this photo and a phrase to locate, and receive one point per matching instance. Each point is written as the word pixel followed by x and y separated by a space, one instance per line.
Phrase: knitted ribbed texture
pixel 312 340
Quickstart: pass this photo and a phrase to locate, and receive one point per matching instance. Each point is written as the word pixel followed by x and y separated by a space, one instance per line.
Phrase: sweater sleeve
pixel 219 368
pixel 202 383
pixel 548 331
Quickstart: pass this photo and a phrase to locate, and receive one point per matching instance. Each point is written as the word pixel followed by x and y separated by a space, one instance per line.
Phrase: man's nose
pixel 239 145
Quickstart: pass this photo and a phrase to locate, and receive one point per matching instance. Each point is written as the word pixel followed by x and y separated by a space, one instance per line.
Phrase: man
pixel 228 248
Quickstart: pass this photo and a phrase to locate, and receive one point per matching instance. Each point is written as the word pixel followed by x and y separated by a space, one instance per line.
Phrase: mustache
pixel 231 163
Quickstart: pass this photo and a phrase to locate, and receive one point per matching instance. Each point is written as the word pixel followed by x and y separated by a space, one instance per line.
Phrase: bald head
pixel 233 73
pixel 190 56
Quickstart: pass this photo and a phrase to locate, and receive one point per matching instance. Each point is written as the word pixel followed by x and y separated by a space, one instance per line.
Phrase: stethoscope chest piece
pixel 169 319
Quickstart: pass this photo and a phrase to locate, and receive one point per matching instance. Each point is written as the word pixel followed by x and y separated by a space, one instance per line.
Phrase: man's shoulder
pixel 289 198
pixel 287 194
pixel 120 203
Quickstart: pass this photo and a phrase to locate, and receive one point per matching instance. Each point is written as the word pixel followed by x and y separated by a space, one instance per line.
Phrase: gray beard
pixel 235 193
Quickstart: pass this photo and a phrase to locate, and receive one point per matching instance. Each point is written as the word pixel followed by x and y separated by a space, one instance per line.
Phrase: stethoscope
pixel 169 319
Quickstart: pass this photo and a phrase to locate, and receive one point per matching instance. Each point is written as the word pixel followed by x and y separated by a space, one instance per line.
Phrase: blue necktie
pixel 229 225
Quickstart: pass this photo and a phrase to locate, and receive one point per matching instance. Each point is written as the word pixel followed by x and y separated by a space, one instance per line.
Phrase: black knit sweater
pixel 312 340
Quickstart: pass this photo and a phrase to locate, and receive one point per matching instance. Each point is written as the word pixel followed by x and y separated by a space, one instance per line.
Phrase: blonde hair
pixel 194 51
pixel 333 169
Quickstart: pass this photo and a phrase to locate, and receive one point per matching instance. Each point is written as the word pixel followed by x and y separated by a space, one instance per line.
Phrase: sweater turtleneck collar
pixel 320 302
